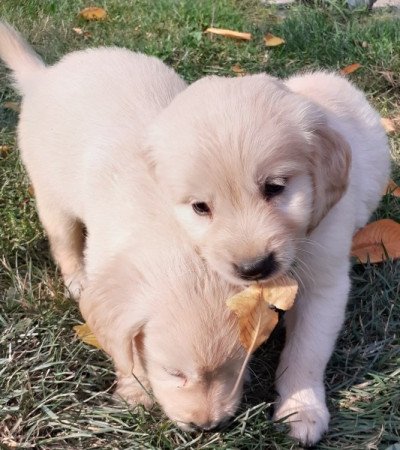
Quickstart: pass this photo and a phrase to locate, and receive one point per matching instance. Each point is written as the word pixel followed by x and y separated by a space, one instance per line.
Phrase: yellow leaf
pixel 377 241
pixel 230 33
pixel 93 13
pixel 84 334
pixel 281 293
pixel 12 105
pixel 272 41
pixel 254 308
pixel 350 69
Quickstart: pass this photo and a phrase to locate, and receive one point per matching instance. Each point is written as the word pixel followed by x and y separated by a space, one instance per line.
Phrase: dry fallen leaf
pixel 272 41
pixel 84 333
pixel 81 32
pixel 31 190
pixel 255 308
pixel 240 72
pixel 230 33
pixel 350 69
pixel 13 106
pixel 392 189
pixel 388 125
pixel 4 150
pixel 377 241
pixel 93 13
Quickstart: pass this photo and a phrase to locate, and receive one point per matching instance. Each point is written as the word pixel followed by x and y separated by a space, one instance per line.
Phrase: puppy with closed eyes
pixel 150 299
pixel 269 177
pixel 161 314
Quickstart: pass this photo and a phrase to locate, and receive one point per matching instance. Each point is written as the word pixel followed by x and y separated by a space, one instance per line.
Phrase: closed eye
pixel 175 373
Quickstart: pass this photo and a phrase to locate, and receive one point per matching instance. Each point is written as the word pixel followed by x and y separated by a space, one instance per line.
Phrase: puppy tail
pixel 18 56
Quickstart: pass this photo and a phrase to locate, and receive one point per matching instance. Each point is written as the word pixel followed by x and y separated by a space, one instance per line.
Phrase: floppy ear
pixel 109 308
pixel 330 166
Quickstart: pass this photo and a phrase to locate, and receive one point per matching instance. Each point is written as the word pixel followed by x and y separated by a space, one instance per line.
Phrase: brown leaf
pixel 84 333
pixel 4 150
pixel 253 306
pixel 392 189
pixel 350 69
pixel 230 33
pixel 272 41
pixel 256 319
pixel 388 125
pixel 93 13
pixel 376 241
pixel 31 190
pixel 239 71
pixel 13 106
pixel 391 125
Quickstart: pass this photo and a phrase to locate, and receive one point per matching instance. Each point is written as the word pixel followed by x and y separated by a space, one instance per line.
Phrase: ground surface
pixel 55 390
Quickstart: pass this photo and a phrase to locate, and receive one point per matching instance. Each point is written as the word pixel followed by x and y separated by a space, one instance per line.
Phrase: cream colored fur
pixel 153 304
pixel 217 143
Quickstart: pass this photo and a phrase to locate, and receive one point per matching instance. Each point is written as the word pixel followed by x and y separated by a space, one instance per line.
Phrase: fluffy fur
pixel 221 142
pixel 316 141
pixel 154 306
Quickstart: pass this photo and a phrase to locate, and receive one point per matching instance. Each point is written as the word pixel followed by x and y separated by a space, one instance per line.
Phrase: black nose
pixel 257 269
pixel 209 426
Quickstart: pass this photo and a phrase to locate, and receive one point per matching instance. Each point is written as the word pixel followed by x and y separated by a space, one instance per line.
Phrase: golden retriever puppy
pixel 161 314
pixel 150 299
pixel 82 118
pixel 272 176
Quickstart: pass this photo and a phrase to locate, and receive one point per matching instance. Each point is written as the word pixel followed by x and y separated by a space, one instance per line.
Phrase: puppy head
pixel 251 168
pixel 171 316
pixel 191 350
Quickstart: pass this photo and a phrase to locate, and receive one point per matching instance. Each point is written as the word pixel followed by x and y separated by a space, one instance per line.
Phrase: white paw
pixel 74 284
pixel 308 418
pixel 134 392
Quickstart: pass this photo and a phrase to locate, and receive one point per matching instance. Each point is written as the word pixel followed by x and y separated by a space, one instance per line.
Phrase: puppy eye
pixel 175 373
pixel 201 208
pixel 273 188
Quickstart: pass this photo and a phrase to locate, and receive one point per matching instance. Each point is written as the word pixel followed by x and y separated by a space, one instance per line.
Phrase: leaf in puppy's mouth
pixel 255 309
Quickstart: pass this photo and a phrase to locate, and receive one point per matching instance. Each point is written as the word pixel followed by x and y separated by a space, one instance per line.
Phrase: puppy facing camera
pixel 190 194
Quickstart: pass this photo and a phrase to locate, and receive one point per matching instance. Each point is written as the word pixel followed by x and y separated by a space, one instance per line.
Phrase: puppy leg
pixel 67 242
pixel 134 388
pixel 312 328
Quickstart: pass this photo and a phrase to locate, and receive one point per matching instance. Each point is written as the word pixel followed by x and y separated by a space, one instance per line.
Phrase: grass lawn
pixel 55 391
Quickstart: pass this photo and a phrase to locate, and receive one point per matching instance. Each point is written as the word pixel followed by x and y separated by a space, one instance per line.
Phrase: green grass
pixel 55 390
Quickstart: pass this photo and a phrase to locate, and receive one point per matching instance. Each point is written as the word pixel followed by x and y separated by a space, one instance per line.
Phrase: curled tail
pixel 18 56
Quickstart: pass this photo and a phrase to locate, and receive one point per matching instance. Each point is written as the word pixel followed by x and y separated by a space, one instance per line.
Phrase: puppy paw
pixel 74 284
pixel 134 392
pixel 308 420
